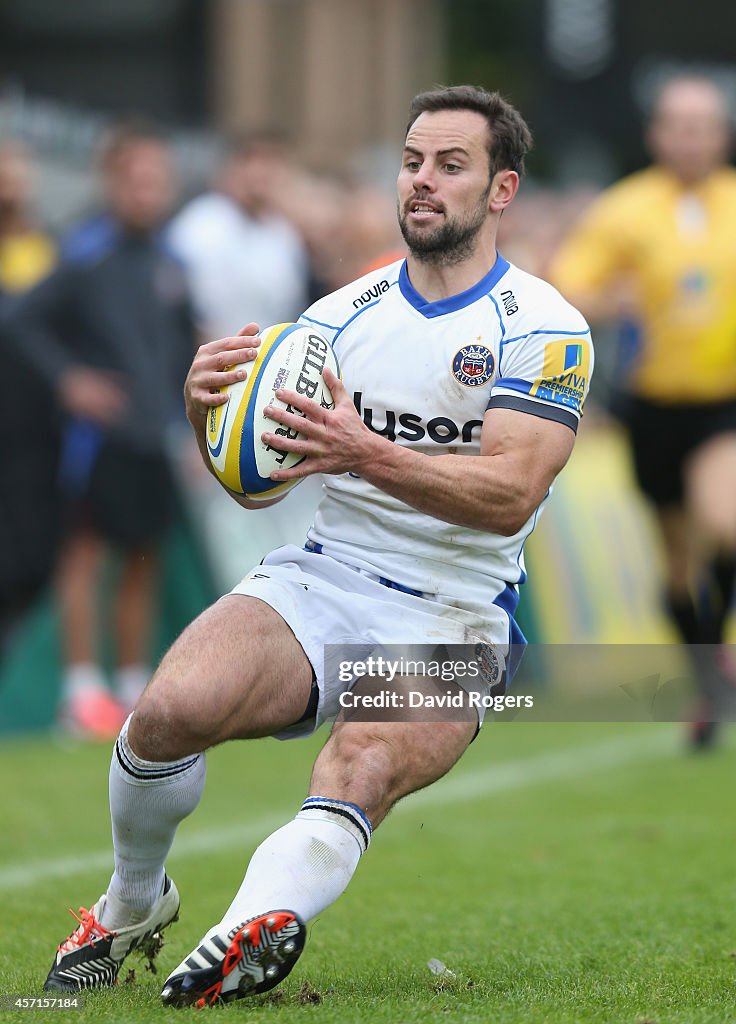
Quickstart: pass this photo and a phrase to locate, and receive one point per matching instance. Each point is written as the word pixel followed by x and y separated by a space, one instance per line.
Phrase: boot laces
pixel 89 930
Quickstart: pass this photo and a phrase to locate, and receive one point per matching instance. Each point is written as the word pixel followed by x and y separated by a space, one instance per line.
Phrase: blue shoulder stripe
pixel 319 323
pixel 530 334
pixel 500 319
pixel 572 334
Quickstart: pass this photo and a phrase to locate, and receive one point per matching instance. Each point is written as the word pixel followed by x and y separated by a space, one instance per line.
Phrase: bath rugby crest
pixel 473 365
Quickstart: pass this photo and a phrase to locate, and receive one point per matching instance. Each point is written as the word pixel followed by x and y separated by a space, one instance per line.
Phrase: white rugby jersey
pixel 423 374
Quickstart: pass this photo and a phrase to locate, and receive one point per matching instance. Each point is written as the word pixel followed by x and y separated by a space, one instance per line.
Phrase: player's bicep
pixel 535 448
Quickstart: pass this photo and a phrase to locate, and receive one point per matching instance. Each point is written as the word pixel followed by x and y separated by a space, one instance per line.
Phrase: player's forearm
pixel 494 492
pixel 484 492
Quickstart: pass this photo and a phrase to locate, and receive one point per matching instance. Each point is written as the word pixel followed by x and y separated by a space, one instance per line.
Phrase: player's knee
pixel 162 729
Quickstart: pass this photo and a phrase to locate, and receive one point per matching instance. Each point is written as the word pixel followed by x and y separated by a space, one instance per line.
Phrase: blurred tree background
pixel 341 72
pixel 583 71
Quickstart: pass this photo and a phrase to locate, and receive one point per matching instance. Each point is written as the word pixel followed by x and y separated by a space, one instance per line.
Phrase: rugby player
pixel 463 382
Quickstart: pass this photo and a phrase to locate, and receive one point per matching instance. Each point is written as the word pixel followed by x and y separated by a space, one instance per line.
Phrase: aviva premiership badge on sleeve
pixel 565 373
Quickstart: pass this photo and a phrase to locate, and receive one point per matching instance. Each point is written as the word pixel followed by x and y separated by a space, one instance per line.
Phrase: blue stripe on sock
pixel 340 803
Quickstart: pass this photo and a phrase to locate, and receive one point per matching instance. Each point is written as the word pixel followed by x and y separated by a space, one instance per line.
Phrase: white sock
pixel 130 682
pixel 148 799
pixel 305 865
pixel 80 678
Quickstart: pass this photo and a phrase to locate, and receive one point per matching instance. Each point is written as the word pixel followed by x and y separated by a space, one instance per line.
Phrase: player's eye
pixel 452 168
pixel 412 165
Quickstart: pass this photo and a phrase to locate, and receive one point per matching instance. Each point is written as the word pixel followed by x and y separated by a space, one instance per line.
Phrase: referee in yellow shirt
pixel 659 248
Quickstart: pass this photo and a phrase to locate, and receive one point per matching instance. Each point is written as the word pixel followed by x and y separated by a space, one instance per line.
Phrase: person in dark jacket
pixel 111 332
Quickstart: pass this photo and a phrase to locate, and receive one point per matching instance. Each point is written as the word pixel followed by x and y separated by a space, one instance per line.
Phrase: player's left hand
pixel 333 440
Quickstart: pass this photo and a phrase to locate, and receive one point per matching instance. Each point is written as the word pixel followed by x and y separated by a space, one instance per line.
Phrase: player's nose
pixel 424 179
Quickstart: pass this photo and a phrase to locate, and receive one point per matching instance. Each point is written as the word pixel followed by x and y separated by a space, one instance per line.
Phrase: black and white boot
pixel 242 960
pixel 92 955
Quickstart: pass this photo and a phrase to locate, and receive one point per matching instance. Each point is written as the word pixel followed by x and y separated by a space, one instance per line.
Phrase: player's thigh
pixel 375 763
pixel 236 672
pixel 711 488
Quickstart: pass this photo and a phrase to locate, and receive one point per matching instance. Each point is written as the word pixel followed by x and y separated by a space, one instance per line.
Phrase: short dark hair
pixel 247 144
pixel 127 132
pixel 510 138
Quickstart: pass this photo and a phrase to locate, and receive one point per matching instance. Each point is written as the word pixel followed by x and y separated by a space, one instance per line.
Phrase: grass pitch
pixel 563 873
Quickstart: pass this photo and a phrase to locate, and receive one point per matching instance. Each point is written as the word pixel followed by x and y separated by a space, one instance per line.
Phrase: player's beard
pixel 452 241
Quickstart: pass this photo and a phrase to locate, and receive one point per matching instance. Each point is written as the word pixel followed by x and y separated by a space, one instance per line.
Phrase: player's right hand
pixel 217 364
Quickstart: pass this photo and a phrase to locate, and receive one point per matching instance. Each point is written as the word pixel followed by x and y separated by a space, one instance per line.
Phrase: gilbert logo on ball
pixel 290 356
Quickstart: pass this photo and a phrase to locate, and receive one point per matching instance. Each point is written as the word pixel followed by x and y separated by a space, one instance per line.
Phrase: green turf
pixel 563 873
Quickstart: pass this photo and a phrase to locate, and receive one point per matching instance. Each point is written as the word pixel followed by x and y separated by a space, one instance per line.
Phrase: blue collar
pixel 453 302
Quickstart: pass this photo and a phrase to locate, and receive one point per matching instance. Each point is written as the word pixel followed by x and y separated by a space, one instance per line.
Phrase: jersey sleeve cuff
pixel 542 409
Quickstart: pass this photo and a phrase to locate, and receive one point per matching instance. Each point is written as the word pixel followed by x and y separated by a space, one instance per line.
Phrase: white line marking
pixel 551 767
pixel 458 787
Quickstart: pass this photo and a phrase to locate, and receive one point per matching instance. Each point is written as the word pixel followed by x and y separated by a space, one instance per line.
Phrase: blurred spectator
pixel 244 259
pixel 372 236
pixel 657 252
pixel 349 228
pixel 28 470
pixel 26 252
pixel 530 235
pixel 317 204
pixel 111 331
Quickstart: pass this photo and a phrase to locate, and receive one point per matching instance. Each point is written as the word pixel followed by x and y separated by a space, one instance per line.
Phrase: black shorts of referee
pixel 124 495
pixel 664 436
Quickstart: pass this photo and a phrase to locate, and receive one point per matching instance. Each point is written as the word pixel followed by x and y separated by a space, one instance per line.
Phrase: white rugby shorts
pixel 327 602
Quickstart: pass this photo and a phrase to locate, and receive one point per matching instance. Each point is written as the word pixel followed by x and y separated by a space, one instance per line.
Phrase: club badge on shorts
pixel 490 663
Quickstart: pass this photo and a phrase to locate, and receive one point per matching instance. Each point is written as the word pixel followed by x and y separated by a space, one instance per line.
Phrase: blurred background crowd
pixel 170 171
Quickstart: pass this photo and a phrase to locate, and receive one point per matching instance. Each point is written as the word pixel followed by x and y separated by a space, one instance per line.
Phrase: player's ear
pixel 504 187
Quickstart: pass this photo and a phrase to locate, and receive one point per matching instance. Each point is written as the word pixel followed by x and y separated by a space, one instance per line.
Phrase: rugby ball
pixel 290 356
